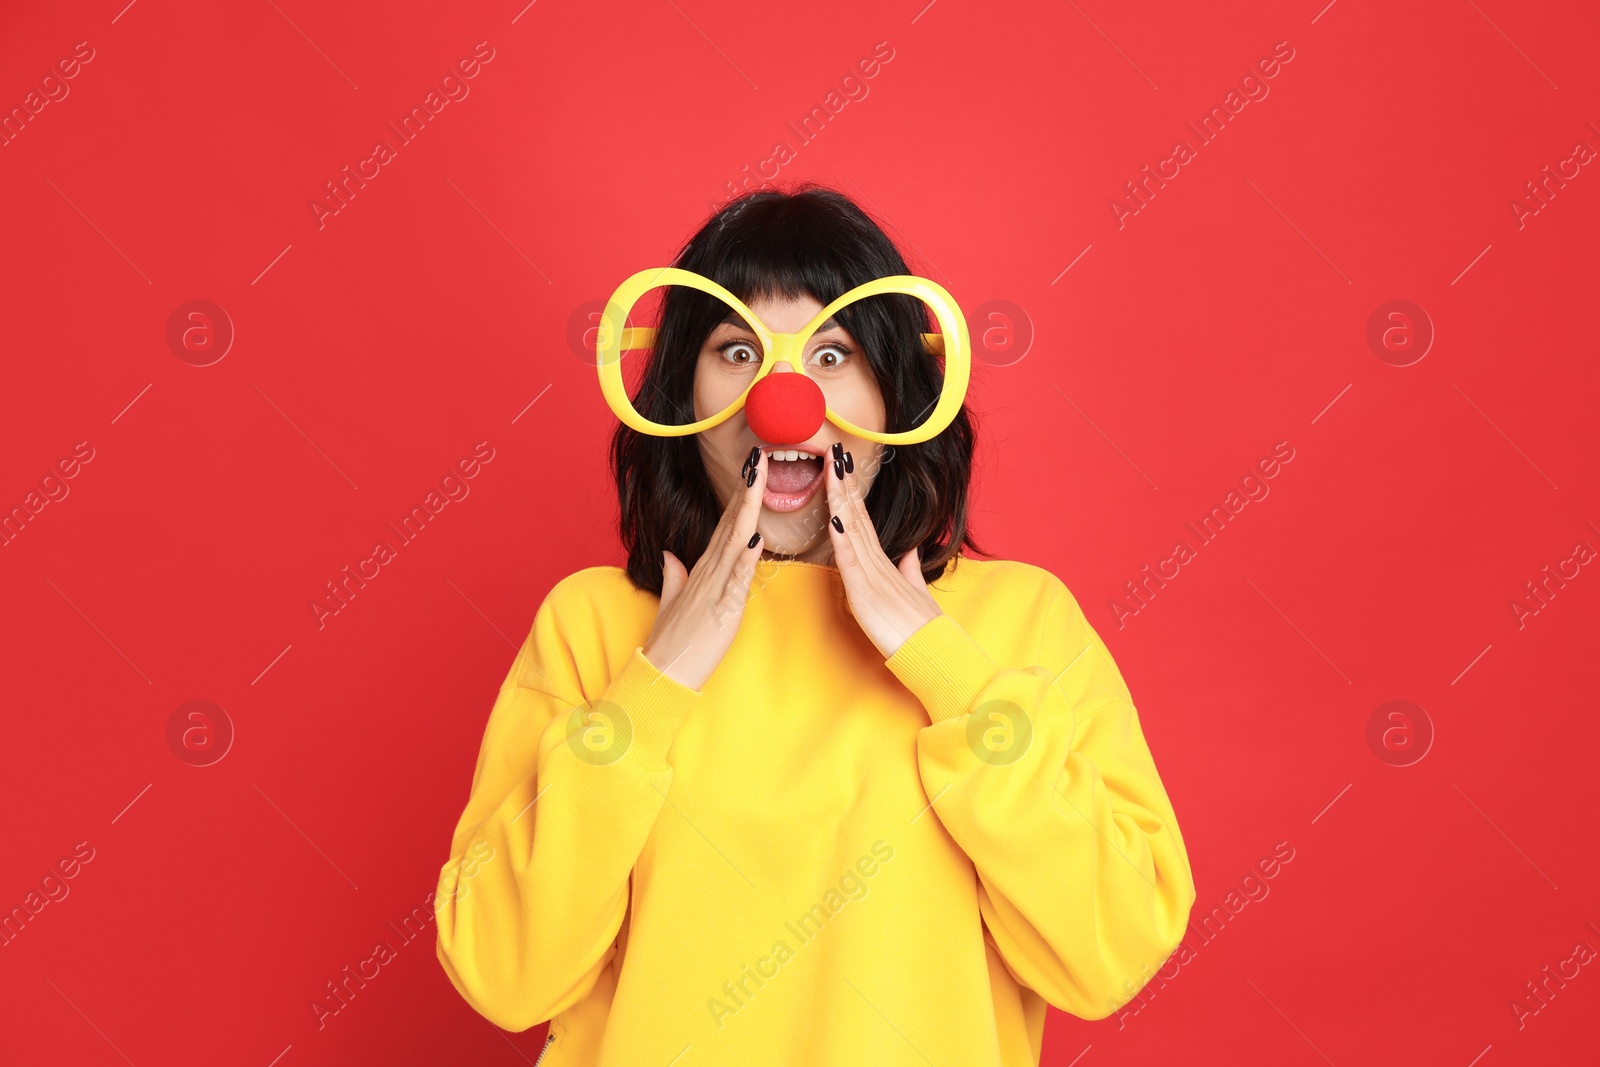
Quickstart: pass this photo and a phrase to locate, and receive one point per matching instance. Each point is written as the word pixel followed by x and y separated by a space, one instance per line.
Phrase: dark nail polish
pixel 744 471
pixel 837 525
pixel 838 450
pixel 753 539
pixel 849 464
pixel 755 455
pixel 838 470
pixel 750 479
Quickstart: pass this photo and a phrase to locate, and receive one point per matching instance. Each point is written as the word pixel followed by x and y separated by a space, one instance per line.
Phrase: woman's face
pixel 794 508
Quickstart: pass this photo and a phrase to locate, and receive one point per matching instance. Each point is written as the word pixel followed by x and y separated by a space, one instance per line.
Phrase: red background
pixel 372 353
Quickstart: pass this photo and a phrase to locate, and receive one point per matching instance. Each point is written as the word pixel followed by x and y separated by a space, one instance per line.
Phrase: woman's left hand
pixel 890 602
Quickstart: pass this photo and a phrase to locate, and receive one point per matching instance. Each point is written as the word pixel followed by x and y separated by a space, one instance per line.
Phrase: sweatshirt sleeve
pixel 567 788
pixel 1042 775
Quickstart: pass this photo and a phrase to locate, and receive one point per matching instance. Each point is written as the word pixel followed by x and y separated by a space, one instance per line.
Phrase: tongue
pixel 792 476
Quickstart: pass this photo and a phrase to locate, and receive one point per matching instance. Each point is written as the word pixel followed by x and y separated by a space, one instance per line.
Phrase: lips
pixel 791 483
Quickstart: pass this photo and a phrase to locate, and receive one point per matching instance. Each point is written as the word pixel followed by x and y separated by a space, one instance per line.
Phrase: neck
pixel 819 553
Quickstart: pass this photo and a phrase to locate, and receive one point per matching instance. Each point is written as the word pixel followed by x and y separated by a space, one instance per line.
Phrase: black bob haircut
pixel 768 243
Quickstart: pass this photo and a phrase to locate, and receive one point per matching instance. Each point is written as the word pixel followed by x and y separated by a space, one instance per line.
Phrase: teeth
pixel 790 454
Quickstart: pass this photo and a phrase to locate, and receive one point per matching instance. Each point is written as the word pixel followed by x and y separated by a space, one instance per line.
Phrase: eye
pixel 832 356
pixel 740 353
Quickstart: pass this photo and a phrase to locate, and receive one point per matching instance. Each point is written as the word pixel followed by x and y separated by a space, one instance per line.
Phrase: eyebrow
pixel 733 319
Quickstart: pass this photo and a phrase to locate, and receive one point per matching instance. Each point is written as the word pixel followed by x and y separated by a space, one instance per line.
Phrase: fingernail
pixel 837 525
pixel 750 479
pixel 838 450
pixel 838 470
pixel 849 464
pixel 753 539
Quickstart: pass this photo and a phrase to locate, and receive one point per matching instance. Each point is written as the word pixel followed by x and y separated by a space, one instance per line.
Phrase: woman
pixel 803 783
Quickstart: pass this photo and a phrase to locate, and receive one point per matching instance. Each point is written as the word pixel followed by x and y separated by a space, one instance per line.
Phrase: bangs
pixel 789 247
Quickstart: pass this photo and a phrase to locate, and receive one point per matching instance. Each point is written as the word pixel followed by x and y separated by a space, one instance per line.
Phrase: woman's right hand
pixel 700 609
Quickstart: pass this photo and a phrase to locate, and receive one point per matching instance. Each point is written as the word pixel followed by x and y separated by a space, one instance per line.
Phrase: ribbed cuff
pixel 943 667
pixel 655 706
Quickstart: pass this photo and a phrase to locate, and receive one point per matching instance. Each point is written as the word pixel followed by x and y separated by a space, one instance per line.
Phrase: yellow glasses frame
pixel 615 337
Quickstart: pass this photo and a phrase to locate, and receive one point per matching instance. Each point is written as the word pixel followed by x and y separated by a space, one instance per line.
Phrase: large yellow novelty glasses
pixel 615 337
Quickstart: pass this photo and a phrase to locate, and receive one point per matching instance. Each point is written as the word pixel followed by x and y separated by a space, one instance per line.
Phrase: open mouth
pixel 793 478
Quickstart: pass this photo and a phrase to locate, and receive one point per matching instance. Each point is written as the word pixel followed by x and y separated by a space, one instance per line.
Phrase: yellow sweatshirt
pixel 822 857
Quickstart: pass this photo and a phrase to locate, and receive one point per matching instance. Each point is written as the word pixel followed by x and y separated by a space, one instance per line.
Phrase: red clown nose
pixel 785 408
